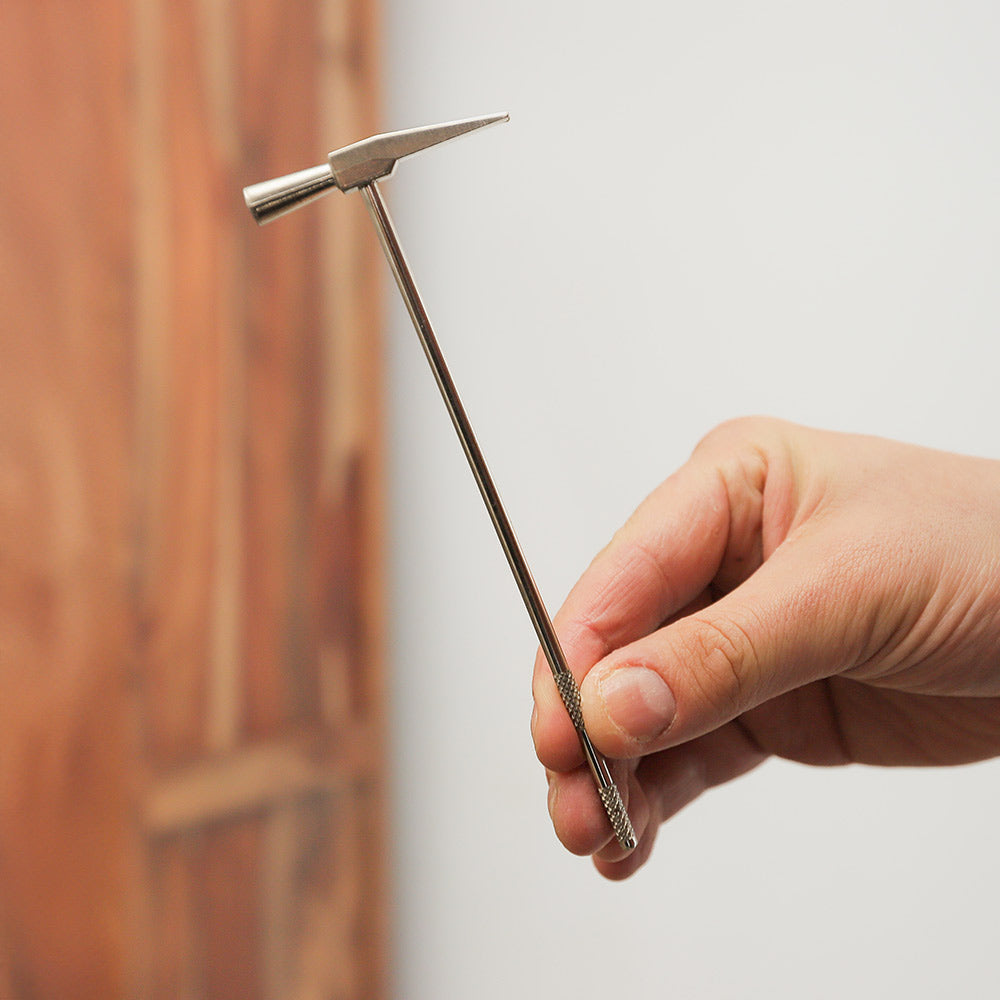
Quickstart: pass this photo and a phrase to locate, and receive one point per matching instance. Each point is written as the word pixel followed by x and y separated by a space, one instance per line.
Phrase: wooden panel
pixel 191 504
pixel 67 755
pixel 177 962
pixel 231 931
pixel 283 412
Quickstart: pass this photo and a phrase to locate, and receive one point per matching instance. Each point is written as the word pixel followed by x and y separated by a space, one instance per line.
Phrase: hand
pixel 822 597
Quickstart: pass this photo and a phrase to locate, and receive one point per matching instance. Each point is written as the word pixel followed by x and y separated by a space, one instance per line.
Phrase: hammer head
pixel 352 167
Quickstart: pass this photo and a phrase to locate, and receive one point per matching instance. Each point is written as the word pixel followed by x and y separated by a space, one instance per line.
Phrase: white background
pixel 697 211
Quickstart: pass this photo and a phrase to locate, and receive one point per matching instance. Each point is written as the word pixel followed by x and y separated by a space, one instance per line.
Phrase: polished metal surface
pixel 353 166
pixel 376 157
pixel 271 199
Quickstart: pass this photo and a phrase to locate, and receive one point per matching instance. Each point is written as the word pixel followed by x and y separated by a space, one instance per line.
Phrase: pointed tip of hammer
pixel 376 157
pixel 354 165
pixel 503 116
pixel 413 140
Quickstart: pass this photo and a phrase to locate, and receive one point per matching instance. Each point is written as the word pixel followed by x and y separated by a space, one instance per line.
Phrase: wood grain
pixel 67 631
pixel 191 508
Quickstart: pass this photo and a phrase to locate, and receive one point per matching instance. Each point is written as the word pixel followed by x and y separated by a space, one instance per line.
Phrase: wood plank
pixel 67 847
pixel 353 453
pixel 325 962
pixel 181 375
pixel 230 898
pixel 258 777
pixel 372 950
pixel 177 960
pixel 281 895
pixel 277 84
pixel 191 508
pixel 216 45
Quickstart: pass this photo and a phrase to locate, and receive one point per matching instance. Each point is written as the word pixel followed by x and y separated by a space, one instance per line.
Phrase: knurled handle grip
pixel 570 694
pixel 611 798
pixel 617 814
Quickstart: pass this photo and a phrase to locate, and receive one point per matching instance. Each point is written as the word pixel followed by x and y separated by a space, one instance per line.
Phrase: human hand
pixel 822 597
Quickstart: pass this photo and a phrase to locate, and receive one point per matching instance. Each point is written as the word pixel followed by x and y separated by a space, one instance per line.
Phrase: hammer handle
pixel 566 683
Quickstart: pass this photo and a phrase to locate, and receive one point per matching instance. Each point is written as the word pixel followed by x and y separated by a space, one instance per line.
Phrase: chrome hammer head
pixel 352 167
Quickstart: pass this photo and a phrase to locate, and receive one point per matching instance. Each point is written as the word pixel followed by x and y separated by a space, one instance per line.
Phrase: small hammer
pixel 359 166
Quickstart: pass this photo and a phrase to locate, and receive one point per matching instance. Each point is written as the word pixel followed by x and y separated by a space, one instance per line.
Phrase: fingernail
pixel 637 701
pixel 534 719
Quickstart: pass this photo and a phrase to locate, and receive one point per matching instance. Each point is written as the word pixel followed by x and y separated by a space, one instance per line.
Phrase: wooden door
pixel 191 687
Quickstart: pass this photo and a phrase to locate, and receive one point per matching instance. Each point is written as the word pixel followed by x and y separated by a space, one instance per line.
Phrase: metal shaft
pixel 610 796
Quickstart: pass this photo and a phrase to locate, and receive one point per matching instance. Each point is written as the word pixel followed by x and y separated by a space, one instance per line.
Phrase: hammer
pixel 359 166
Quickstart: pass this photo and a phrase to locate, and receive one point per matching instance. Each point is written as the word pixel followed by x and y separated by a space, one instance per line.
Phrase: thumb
pixel 805 614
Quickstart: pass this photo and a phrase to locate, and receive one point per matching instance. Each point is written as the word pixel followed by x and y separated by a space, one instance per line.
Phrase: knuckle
pixel 740 431
pixel 722 663
pixel 742 451
pixel 638 569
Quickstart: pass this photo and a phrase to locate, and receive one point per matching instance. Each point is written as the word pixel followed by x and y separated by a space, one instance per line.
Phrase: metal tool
pixel 359 166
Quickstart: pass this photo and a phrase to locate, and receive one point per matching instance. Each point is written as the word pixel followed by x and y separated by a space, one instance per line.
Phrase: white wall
pixel 697 211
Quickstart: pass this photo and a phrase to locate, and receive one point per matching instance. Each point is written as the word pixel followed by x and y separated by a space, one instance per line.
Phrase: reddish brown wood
pixel 191 640
pixel 177 959
pixel 284 403
pixel 67 632
pixel 231 912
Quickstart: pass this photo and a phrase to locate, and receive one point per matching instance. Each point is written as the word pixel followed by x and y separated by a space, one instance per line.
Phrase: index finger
pixel 663 558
